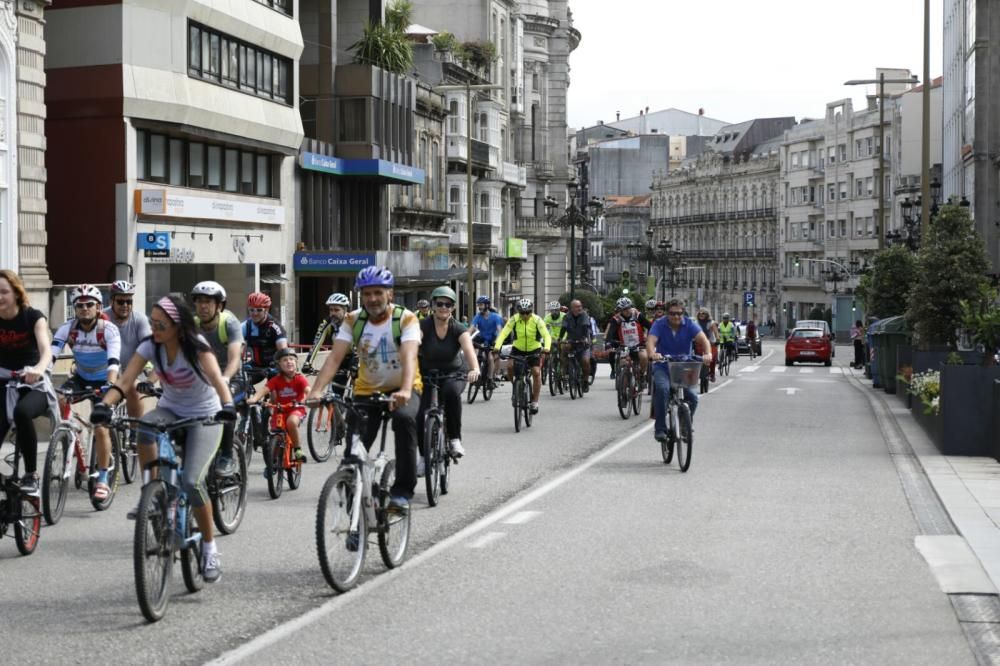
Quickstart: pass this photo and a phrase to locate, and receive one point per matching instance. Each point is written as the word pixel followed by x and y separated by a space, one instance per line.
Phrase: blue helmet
pixel 373 276
pixel 483 300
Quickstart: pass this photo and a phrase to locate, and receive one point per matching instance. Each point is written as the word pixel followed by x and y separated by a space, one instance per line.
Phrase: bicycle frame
pixel 357 458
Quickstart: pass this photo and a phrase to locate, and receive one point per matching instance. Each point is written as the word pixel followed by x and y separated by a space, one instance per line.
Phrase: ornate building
pixel 719 213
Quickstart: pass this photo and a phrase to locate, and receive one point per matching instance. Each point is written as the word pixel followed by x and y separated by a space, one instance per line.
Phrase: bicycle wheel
pixel 573 380
pixel 274 453
pixel 28 525
pixel 637 392
pixel 445 472
pixel 624 386
pixel 102 505
pixel 684 437
pixel 434 457
pixel 517 395
pixel 341 552
pixel 55 482
pixel 229 495
pixel 294 476
pixel 129 458
pixel 553 372
pixel 191 552
pixel 321 443
pixel 243 437
pixel 474 391
pixel 152 555
pixel 526 403
pixel 487 385
pixel 394 528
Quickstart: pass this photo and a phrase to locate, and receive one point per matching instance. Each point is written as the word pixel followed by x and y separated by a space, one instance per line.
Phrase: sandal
pixel 101 491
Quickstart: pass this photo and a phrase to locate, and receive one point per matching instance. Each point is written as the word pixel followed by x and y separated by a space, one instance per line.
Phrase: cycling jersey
pixel 95 351
pixel 555 324
pixel 727 332
pixel 262 340
pixel 629 332
pixel 529 335
pixel 132 331
pixel 488 326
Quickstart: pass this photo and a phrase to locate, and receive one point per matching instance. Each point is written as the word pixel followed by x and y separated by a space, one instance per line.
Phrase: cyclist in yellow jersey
pixel 727 333
pixel 530 335
pixel 423 309
pixel 554 319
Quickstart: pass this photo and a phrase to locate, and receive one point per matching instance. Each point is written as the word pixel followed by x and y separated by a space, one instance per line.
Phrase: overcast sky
pixel 739 59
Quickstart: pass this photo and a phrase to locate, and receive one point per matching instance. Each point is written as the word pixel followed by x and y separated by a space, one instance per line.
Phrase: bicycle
pixel 249 425
pixel 354 503
pixel 628 386
pixel 725 358
pixel 521 393
pixel 18 509
pixel 335 423
pixel 164 524
pixel 553 367
pixel 684 373
pixel 277 453
pixel 486 383
pixel 574 370
pixel 437 457
pixel 69 443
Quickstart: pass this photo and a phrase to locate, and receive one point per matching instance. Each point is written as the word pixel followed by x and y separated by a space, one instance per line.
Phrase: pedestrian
pixel 858 337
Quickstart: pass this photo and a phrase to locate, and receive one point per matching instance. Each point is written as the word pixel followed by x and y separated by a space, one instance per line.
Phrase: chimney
pixel 618 116
pixel 600 122
pixel 872 102
pixel 647 110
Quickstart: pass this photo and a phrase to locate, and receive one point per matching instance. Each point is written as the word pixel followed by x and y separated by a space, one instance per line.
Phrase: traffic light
pixel 795 259
pixel 854 306
pixel 625 282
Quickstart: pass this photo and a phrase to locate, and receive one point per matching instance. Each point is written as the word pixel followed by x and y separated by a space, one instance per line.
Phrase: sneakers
pixel 29 484
pixel 133 513
pixel 457 450
pixel 299 455
pixel 211 568
pixel 533 407
pixel 225 466
pixel 660 437
pixel 421 467
pixel 101 491
pixel 398 504
pixel 586 387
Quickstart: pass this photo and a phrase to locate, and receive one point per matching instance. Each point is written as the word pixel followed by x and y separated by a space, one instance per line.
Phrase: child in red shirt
pixel 287 388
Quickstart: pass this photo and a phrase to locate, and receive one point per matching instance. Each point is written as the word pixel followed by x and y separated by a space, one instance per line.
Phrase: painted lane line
pixel 486 539
pixel 750 368
pixel 779 368
pixel 521 517
pixel 805 371
pixel 721 386
pixel 836 370
pixel 286 629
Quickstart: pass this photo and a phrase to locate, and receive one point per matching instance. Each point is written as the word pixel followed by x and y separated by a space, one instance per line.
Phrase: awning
pixel 436 277
pixel 273 278
pixel 385 171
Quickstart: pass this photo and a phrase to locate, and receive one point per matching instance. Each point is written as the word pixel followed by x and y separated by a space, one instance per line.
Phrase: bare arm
pixel 408 357
pixel 704 348
pixel 132 370
pixel 234 357
pixel 651 347
pixel 465 340
pixel 33 374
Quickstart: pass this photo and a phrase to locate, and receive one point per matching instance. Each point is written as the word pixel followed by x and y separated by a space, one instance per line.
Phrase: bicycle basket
pixel 685 373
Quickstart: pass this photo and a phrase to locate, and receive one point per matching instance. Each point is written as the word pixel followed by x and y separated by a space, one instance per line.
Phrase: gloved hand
pixel 227 414
pixel 146 388
pixel 100 414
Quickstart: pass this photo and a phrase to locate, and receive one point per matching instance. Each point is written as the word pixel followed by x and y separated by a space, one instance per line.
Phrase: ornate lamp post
pixel 912 227
pixel 584 217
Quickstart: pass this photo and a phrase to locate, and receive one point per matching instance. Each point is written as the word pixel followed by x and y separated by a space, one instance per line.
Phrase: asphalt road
pixel 789 540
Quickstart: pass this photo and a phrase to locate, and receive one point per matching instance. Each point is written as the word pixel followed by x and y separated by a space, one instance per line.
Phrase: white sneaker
pixel 211 567
pixel 456 448
pixel 421 468
pixel 534 407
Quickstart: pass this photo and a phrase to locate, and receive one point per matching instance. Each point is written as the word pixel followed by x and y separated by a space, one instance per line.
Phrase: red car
pixel 808 344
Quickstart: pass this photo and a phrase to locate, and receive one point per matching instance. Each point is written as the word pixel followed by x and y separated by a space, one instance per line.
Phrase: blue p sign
pixel 748 298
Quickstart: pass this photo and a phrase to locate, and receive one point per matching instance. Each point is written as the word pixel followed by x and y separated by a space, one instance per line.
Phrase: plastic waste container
pixel 892 332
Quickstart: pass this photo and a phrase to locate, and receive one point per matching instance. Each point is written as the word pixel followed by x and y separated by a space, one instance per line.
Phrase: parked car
pixel 808 344
pixel 824 326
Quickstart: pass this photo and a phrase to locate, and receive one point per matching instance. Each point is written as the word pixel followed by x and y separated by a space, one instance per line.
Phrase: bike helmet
pixel 444 291
pixel 553 305
pixel 258 300
pixel 374 276
pixel 524 305
pixel 651 304
pixel 623 303
pixel 86 291
pixel 282 353
pixel 725 315
pixel 338 299
pixel 122 287
pixel 210 289
pixel 423 303
pixel 483 300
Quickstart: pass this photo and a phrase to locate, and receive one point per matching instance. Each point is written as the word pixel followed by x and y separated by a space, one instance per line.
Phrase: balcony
pixel 804 245
pixel 515 174
pixel 803 282
pixel 596 261
pixel 457 150
pixel 544 170
pixel 484 236
pixel 535 227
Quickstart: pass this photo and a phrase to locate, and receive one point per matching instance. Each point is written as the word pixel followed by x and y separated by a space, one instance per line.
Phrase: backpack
pixel 397 332
pixel 73 332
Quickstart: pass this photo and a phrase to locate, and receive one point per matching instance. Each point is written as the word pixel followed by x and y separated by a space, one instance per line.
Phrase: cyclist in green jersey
pixel 727 333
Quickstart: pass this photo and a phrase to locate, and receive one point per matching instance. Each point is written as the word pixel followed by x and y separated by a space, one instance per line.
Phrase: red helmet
pixel 258 300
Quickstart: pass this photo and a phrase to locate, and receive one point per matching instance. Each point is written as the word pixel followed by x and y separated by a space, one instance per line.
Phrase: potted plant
pixel 385 45
pixel 925 388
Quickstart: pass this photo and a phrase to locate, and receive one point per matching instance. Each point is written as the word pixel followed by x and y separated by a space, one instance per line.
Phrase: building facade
pixel 907 112
pixel 173 129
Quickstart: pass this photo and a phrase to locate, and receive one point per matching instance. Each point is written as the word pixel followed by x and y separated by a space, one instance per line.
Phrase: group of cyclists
pixel 195 350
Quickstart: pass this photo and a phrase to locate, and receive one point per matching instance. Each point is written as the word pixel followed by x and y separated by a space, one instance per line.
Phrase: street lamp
pixel 573 218
pixel 912 228
pixel 881 81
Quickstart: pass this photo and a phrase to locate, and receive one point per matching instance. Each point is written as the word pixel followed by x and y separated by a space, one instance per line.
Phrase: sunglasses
pixel 159 325
pixel 122 301
pixel 443 304
pixel 85 306
pixel 257 310
pixel 676 313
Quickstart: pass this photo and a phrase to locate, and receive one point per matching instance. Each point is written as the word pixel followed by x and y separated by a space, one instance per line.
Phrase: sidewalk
pixel 968 488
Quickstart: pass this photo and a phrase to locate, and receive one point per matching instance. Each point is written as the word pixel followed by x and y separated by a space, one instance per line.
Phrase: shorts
pixel 295 411
pixel 534 358
pixel 582 352
pixel 79 384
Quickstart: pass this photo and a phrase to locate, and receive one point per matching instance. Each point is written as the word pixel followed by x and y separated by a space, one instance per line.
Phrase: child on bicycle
pixel 288 390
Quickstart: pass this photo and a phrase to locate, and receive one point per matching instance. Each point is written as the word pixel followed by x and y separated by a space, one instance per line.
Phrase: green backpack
pixel 223 332
pixel 397 332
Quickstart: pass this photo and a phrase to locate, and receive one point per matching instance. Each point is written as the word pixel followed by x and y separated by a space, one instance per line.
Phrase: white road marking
pixel 779 368
pixel 836 370
pixel 790 390
pixel 750 368
pixel 806 371
pixel 521 517
pixel 487 539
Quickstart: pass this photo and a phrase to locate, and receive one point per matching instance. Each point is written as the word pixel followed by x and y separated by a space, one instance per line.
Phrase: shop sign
pixel 167 204
pixel 175 255
pixel 332 261
pixel 517 248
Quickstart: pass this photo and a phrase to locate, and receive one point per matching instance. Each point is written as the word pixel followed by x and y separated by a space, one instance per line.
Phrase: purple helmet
pixel 373 276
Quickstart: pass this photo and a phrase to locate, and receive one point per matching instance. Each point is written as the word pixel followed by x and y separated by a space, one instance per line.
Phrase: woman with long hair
pixel 25 348
pixel 193 387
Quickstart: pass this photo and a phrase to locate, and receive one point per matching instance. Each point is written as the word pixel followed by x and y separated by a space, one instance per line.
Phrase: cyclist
pixel 224 334
pixel 751 333
pixel 612 361
pixel 727 335
pixel 673 335
pixel 577 333
pixel 711 331
pixel 193 387
pixel 530 334
pixel 443 341
pixel 25 348
pixel 488 323
pixel 386 337
pixel 651 309
pixel 554 319
pixel 336 307
pixel 287 387
pixel 628 328
pixel 423 309
pixel 263 335
pixel 96 346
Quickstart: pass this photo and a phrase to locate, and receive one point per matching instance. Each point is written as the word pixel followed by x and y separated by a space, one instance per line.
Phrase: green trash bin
pixel 891 333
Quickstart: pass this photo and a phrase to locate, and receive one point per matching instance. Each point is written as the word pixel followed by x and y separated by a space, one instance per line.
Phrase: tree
pixel 950 268
pixel 385 45
pixel 591 302
pixel 885 289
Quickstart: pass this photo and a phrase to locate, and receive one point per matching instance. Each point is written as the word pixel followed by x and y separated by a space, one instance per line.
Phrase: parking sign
pixel 748 298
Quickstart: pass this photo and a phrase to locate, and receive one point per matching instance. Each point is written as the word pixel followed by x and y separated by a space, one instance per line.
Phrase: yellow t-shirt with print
pixel 380 368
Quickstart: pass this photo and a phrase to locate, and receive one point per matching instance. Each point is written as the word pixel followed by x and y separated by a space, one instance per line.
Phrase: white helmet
pixel 86 291
pixel 338 299
pixel 122 287
pixel 554 305
pixel 623 302
pixel 210 289
pixel 524 305
pixel 651 304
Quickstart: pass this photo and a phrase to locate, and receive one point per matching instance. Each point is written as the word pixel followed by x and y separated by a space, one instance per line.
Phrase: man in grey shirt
pixel 223 331
pixel 134 328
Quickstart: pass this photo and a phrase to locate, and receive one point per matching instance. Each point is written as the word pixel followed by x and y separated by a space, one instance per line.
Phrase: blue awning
pixel 388 171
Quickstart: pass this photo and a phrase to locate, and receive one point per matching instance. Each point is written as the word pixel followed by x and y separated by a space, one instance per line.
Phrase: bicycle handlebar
pixel 689 358
pixel 436 377
pixel 162 427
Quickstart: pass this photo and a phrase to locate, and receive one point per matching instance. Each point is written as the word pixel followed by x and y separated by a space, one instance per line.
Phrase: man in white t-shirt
pixel 386 337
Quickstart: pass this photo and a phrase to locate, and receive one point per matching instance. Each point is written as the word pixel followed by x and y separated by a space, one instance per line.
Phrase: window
pixel 353 120
pixel 534 82
pixel 843 228
pixel 196 165
pixel 283 6
pixel 484 128
pixel 263 176
pixel 232 170
pixel 176 162
pixel 217 57
pixel 214 167
pixel 435 171
pixel 831 192
pixel 842 151
pixel 454 201
pixel 869 185
pixel 795 159
pixel 831 154
pixel 246 173
pixel 140 154
pixel 859 187
pixel 484 207
pixel 830 229
pixel 843 189
pixel 453 118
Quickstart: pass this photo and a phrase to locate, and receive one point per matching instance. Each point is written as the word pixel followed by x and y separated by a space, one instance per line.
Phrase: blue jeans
pixel 661 396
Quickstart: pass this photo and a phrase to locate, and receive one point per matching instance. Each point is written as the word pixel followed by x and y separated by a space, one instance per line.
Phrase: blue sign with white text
pixel 331 261
pixel 748 298
pixel 153 240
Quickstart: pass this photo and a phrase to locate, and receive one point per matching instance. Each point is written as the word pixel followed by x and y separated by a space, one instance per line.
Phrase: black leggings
pixel 450 397
pixel 30 406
